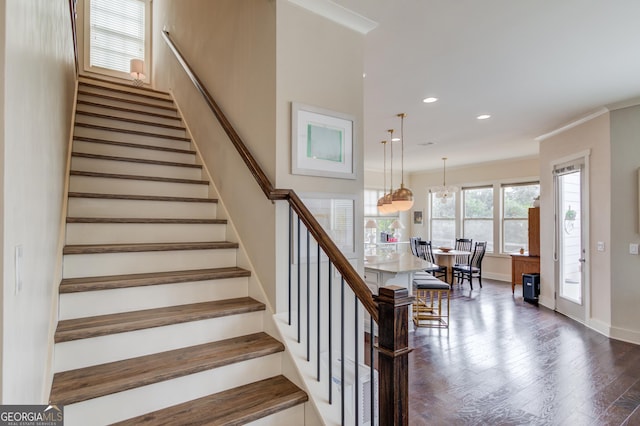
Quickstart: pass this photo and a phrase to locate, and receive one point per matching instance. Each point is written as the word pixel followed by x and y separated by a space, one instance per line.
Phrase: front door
pixel 570 252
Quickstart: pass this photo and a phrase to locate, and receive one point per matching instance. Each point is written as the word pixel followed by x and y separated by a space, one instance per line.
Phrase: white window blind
pixel 117 33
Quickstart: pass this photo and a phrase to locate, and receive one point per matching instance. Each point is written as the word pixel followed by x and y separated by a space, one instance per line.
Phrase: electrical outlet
pixel 600 246
pixel 633 248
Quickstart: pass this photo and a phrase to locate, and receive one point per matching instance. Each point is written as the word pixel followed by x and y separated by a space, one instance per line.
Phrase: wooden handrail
pixel 74 32
pixel 350 275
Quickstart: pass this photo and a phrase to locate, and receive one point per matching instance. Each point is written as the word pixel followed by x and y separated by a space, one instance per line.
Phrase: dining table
pixel 447 258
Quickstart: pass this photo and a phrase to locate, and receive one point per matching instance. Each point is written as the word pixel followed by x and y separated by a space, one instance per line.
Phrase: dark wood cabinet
pixel 529 262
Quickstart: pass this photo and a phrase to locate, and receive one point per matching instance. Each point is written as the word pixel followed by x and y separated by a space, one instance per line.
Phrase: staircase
pixel 155 323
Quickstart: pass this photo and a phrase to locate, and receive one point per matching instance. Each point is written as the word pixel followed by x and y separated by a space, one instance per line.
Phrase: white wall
pixel 625 268
pixel 592 136
pixel 38 95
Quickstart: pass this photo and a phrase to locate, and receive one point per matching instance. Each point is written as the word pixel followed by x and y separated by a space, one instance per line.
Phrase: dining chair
pixel 462 244
pixel 473 268
pixel 413 244
pixel 427 254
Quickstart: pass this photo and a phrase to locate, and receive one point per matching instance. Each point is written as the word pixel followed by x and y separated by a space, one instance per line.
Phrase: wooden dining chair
pixel 473 268
pixel 413 244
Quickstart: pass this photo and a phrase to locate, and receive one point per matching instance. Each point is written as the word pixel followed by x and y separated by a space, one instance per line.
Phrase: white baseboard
pixel 547 302
pixel 631 336
pixel 498 277
pixel 599 326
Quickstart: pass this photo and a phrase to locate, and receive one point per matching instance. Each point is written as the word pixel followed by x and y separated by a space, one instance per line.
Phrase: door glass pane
pixel 570 237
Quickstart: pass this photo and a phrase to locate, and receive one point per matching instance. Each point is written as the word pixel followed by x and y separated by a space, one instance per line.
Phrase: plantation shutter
pixel 117 33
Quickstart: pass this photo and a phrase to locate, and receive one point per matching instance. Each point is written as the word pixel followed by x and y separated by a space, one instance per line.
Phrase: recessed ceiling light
pixel 483 116
pixel 426 143
pixel 429 100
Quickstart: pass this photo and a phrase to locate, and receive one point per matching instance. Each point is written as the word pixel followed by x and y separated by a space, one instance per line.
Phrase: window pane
pixel 516 235
pixel 478 203
pixel 480 230
pixel 371 202
pixel 518 199
pixel 443 210
pixel 443 232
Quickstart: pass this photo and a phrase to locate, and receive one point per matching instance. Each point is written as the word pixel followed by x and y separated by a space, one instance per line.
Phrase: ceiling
pixel 534 65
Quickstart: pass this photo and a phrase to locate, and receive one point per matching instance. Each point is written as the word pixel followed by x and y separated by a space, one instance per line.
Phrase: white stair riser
pixel 129 105
pixel 115 347
pixel 132 89
pixel 132 152
pixel 132 113
pixel 125 125
pixel 130 138
pixel 95 265
pixel 134 402
pixel 166 101
pixel 102 185
pixel 121 233
pixel 293 416
pixel 133 168
pixel 103 302
pixel 102 207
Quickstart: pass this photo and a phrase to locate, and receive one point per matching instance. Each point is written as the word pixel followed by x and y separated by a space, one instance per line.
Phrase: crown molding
pixel 338 14
pixel 572 124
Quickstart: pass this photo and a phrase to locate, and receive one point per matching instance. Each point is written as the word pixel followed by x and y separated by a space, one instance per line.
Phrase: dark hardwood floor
pixel 506 362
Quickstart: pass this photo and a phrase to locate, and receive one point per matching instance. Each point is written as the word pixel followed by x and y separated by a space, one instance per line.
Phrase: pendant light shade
pixel 402 198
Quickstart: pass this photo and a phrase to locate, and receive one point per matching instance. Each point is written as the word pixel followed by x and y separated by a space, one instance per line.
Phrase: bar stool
pixel 431 305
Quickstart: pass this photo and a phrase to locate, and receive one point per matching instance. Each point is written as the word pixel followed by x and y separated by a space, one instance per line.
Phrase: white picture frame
pixel 322 142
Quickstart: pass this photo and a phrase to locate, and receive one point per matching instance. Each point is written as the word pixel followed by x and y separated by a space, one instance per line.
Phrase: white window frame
pixel 504 219
pixel 113 73
pixel 456 219
pixel 464 219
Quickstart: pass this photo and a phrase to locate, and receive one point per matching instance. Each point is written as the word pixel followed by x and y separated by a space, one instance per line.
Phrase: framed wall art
pixel 322 142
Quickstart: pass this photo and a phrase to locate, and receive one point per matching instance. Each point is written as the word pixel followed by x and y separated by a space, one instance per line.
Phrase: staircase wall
pixel 231 46
pixel 38 100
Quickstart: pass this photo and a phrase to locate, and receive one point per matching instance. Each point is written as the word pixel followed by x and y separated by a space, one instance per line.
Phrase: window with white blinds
pixel 118 33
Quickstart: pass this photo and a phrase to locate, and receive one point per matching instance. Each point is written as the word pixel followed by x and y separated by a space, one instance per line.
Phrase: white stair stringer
pixel 143 234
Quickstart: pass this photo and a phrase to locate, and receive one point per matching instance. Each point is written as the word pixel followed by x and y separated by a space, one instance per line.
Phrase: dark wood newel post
pixel 393 355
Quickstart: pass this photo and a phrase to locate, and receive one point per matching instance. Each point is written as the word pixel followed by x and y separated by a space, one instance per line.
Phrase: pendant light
pixel 388 196
pixel 402 198
pixel 384 207
pixel 444 192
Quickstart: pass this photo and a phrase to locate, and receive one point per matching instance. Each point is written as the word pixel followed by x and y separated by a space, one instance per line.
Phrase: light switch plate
pixel 633 248
pixel 600 246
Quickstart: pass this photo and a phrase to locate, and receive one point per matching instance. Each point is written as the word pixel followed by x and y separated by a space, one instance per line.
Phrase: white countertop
pixel 406 262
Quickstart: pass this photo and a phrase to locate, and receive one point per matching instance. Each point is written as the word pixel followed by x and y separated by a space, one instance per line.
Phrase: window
pixel 118 31
pixel 478 214
pixel 383 222
pixel 516 200
pixel 443 221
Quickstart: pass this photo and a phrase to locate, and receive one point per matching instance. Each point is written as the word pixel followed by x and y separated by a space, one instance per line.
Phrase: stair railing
pixel 388 310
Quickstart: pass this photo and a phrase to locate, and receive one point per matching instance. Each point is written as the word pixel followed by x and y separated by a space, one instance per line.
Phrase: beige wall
pixel 592 136
pixel 319 63
pixel 625 268
pixel 231 46
pixel 38 95
pixel 494 265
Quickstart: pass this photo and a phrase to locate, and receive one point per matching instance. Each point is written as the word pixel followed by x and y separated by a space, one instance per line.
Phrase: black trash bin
pixel 531 287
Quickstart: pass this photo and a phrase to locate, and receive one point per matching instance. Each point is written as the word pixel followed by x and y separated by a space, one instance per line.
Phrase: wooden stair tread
pixel 132 132
pixel 136 177
pixel 74 285
pixel 235 406
pixel 128 110
pixel 133 145
pixel 135 160
pixel 92 382
pixel 129 120
pixel 145 220
pixel 119 83
pixel 102 325
pixel 141 197
pixel 130 101
pixel 141 247
pixel 127 92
